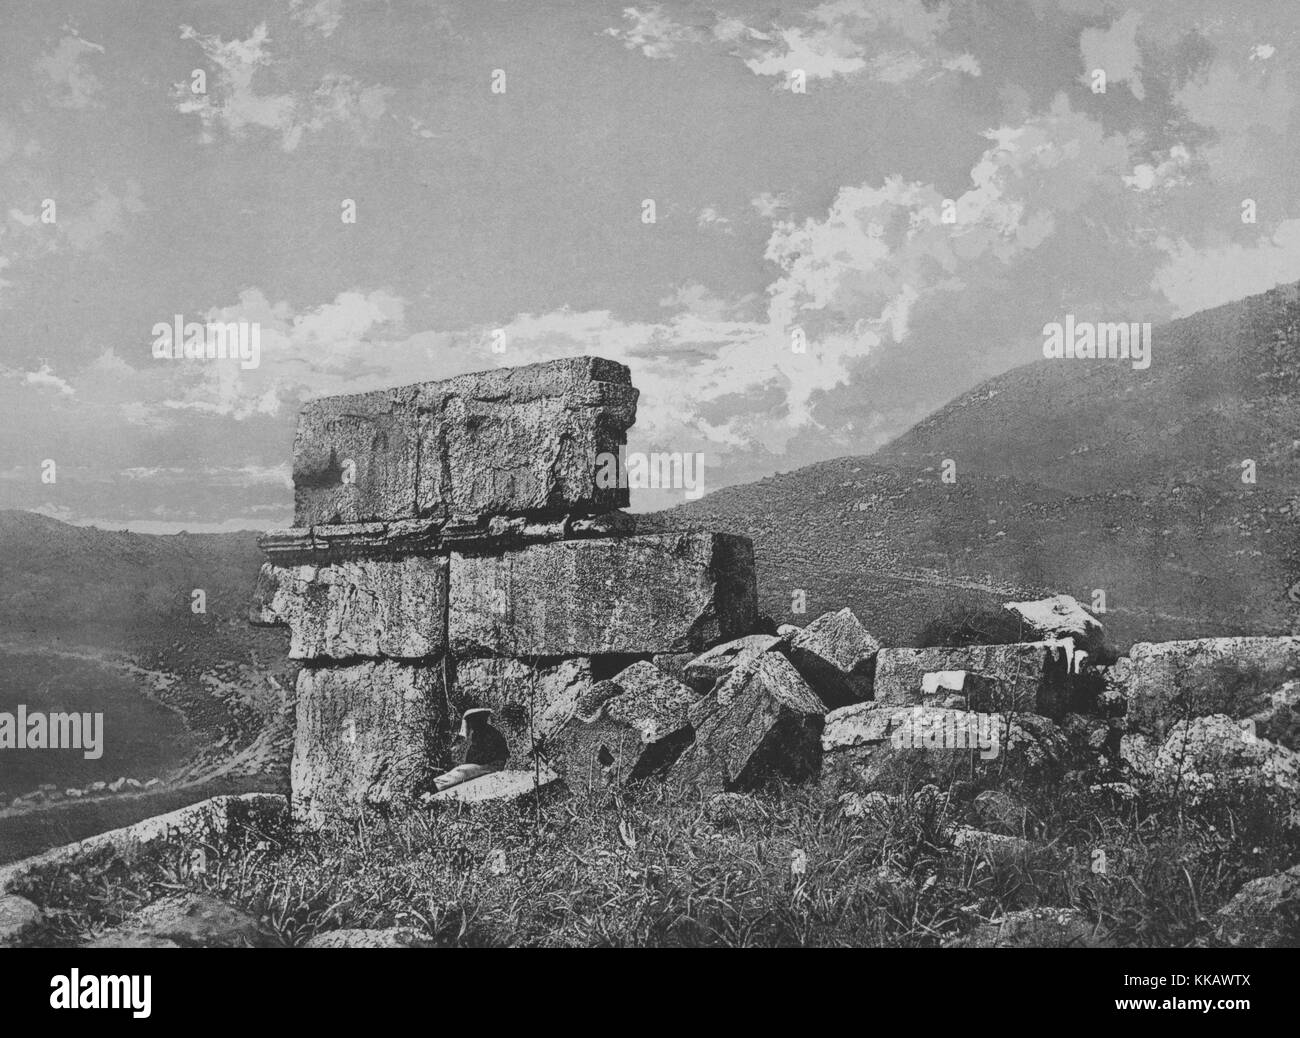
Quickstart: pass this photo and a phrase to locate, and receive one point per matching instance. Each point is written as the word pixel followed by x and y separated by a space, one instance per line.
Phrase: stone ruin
pixel 458 544
pixel 454 546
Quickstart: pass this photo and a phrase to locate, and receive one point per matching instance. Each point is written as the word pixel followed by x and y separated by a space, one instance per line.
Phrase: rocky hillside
pixel 1071 476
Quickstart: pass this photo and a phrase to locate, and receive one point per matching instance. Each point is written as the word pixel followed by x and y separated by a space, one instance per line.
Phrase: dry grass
pixel 651 866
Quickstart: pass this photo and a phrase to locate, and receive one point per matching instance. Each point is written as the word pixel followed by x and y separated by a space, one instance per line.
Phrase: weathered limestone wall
pixel 454 548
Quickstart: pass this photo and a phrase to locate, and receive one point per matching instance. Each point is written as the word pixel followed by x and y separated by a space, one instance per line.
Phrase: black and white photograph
pixel 803 474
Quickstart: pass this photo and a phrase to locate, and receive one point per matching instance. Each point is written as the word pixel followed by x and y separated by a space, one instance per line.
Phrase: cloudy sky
pixel 522 210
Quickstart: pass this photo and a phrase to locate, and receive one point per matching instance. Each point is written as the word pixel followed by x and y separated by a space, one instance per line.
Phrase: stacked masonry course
pixel 454 547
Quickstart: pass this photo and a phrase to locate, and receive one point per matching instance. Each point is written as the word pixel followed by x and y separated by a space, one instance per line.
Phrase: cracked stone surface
pixel 661 593
pixel 360 608
pixel 510 441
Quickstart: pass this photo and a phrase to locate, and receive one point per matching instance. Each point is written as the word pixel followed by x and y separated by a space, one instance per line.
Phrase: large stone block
pixel 361 608
pixel 872 746
pixel 355 458
pixel 660 593
pixel 525 439
pixel 639 727
pixel 529 701
pixel 1167 681
pixel 1034 677
pixel 761 722
pixel 367 735
pixel 509 441
pixel 836 655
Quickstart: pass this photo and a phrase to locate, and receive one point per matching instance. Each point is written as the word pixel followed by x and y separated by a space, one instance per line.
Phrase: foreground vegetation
pixel 649 866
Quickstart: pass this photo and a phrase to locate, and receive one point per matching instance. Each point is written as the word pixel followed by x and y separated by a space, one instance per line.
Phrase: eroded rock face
pixel 662 593
pixel 1034 677
pixel 1165 681
pixel 510 441
pixel 836 655
pixel 368 608
pixel 639 728
pixel 366 736
pixel 762 721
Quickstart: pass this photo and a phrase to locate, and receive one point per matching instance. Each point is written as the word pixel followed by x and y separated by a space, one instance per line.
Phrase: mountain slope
pixel 1071 475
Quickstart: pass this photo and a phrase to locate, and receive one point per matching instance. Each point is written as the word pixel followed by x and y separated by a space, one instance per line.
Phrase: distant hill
pixel 1072 475
pixel 101 621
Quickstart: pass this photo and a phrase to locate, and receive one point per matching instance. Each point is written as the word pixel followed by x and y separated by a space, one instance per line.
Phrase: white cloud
pixel 1115 51
pixel 890 41
pixel 323 15
pixel 46 379
pixel 710 217
pixel 1201 278
pixel 233 103
pixel 1170 172
pixel 653 32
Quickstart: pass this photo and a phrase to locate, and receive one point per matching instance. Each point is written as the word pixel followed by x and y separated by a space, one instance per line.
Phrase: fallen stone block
pixel 529 702
pixel 836 655
pixel 762 721
pixel 1166 681
pixel 640 727
pixel 212 820
pixel 364 608
pixel 499 787
pixel 367 735
pixel 1034 677
pixel 642 595
pixel 874 746
pixel 189 921
pixel 18 919
pixel 1204 757
pixel 392 937
pixel 1057 618
pixel 509 441
pixel 704 671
